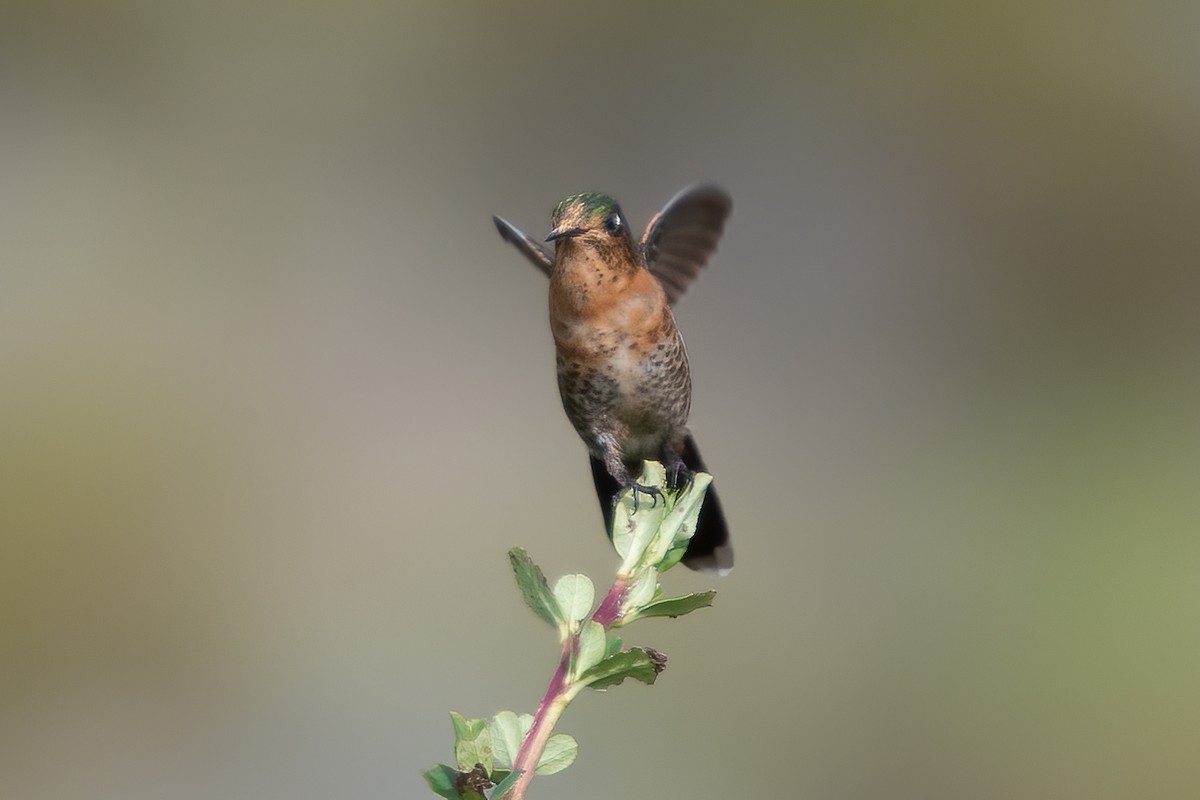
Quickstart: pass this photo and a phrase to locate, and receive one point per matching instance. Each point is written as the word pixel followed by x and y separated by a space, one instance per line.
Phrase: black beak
pixel 563 233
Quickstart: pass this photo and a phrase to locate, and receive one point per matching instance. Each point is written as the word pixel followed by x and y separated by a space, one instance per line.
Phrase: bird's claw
pixel 638 488
pixel 679 477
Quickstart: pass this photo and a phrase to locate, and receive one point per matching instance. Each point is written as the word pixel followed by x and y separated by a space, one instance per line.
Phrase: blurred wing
pixel 683 235
pixel 532 249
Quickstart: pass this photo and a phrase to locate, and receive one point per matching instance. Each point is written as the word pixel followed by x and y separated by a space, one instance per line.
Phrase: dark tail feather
pixel 709 550
pixel 607 488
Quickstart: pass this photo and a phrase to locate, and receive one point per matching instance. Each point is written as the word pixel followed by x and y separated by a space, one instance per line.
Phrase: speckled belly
pixel 637 391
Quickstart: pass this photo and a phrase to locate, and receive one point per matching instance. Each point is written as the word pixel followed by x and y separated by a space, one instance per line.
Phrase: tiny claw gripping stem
pixel 638 488
pixel 678 474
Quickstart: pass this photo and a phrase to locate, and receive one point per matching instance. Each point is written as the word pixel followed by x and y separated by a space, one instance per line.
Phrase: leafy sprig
pixel 497 758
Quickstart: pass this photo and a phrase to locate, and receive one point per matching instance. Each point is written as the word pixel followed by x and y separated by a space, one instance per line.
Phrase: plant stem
pixel 559 694
pixel 610 606
pixel 554 702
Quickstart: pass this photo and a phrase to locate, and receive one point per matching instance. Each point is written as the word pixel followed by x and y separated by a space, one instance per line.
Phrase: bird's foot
pixel 679 477
pixel 639 489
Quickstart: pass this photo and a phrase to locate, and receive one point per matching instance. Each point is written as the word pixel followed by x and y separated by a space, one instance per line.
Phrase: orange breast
pixel 594 308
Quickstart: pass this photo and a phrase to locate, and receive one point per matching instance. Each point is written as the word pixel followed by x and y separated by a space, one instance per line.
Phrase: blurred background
pixel 275 398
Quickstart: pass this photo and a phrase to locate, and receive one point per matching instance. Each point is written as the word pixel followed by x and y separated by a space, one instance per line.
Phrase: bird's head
pixel 591 219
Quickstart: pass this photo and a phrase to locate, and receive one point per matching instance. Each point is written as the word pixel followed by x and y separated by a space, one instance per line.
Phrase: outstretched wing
pixel 532 249
pixel 683 235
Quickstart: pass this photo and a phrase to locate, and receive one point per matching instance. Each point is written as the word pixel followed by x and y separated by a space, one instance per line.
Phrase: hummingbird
pixel 622 368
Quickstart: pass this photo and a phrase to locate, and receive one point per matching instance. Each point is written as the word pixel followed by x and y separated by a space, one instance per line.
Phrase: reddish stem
pixel 547 714
pixel 610 606
pixel 556 699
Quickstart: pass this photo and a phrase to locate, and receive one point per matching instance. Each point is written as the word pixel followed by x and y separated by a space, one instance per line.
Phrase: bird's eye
pixel 613 223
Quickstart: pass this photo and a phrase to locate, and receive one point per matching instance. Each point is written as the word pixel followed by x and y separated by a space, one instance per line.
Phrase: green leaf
pixel 559 754
pixel 677 606
pixel 632 532
pixel 658 533
pixel 592 642
pixel 465 729
pixel 441 781
pixel 534 588
pixel 503 786
pixel 637 663
pixel 641 592
pixel 472 742
pixel 508 731
pixel 575 595
pixel 673 556
pixel 678 524
pixel 612 644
